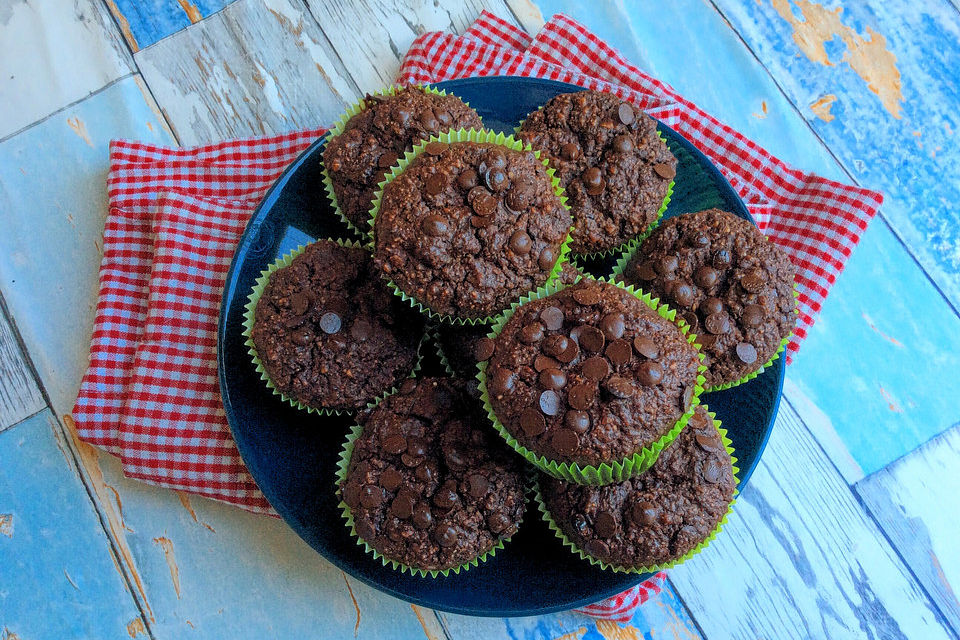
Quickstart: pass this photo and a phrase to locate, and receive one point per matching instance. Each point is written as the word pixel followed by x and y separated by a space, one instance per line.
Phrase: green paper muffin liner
pixel 441 354
pixel 467 135
pixel 342 466
pixel 617 274
pixel 249 319
pixel 338 128
pixel 604 473
pixel 545 514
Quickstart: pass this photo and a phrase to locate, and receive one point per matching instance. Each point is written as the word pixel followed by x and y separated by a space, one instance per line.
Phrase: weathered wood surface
pixel 916 501
pixel 58 575
pixel 144 22
pixel 19 395
pixel 52 55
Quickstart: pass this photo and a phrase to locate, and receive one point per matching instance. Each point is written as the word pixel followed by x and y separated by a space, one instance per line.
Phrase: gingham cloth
pixel 150 395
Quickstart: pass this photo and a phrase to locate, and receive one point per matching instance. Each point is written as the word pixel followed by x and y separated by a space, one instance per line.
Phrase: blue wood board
pixel 153 20
pixel 53 201
pixel 882 292
pixel 57 576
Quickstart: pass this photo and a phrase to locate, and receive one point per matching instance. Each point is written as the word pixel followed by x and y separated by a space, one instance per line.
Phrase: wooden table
pixel 847 529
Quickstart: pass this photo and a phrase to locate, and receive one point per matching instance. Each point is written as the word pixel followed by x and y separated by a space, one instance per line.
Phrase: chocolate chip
pixel 483 349
pixel 496 180
pixel 444 117
pixel 717 323
pixel 502 381
pixel 691 319
pixel 543 362
pixel 569 151
pixel 477 485
pixel 532 422
pixel 747 353
pixel 402 505
pixel 565 441
pixel 552 318
pixel 435 183
pixel 365 529
pixel 712 470
pixel 518 200
pixel 417 446
pixel 434 226
pixel 520 243
pixel 705 276
pixel 550 402
pixel 552 379
pixel 422 516
pixel 612 325
pixel 578 421
pixel 649 373
pixel 407 386
pixel 555 344
pixel 623 144
pixel 753 282
pixel 667 265
pixel 428 121
pixel 435 148
pixel 395 444
pixel 752 315
pixel 387 160
pixel 665 171
pixel 596 548
pixel 591 339
pixel 496 159
pixel 330 322
pixel 581 396
pixel 299 303
pixel 593 181
pixel 605 525
pixel 619 387
pixel 498 522
pixel 351 493
pixel 479 222
pixel 698 240
pixel 390 479
pixel 570 353
pixel 445 535
pixel 426 472
pixel 646 272
pixel 302 336
pixel 710 306
pixel 482 201
pixel 682 294
pixel 595 368
pixel 468 179
pixel 706 340
pixel 361 329
pixel 625 113
pixel 587 294
pixel 371 496
pixel 646 347
pixel 532 333
pixel 644 513
pixel 708 442
pixel 547 259
pixel 722 259
pixel 619 352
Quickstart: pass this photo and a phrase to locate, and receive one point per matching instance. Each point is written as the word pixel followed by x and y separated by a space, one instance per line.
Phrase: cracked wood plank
pixel 19 395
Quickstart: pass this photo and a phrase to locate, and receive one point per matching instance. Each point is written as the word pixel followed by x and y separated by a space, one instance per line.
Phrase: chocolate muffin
pixel 727 280
pixel 614 167
pixel 590 375
pixel 660 515
pixel 428 484
pixel 467 228
pixel 464 346
pixel 328 332
pixel 374 139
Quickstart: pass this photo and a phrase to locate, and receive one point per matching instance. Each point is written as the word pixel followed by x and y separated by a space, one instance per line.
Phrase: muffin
pixel 662 516
pixel 329 334
pixel 427 485
pixel 462 347
pixel 732 285
pixel 590 376
pixel 375 138
pixel 468 227
pixel 615 169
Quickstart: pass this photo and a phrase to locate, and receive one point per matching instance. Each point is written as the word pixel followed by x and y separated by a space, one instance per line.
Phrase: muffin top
pixel 590 374
pixel 428 484
pixel 374 139
pixel 467 228
pixel 657 516
pixel 610 160
pixel 727 280
pixel 329 333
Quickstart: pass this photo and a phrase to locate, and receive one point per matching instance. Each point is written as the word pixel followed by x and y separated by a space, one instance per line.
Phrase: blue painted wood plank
pixel 881 293
pixel 144 23
pixel 57 576
pixel 53 202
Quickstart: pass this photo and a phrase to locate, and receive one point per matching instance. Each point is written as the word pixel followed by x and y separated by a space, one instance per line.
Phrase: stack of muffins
pixel 595 383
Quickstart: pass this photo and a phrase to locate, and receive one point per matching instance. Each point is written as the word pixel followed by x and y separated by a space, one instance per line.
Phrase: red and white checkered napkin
pixel 150 394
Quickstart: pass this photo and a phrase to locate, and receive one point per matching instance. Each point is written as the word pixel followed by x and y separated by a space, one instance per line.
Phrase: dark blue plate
pixel 292 455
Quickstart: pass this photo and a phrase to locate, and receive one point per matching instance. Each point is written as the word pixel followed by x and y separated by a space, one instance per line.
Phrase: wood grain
pixel 257 67
pixel 147 21
pixel 916 501
pixel 51 56
pixel 799 558
pixel 19 395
